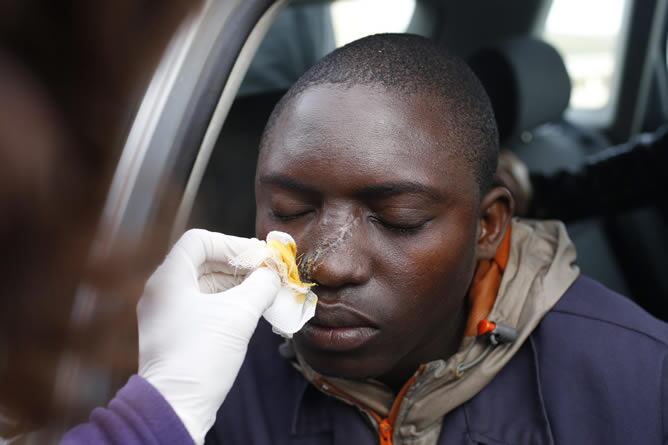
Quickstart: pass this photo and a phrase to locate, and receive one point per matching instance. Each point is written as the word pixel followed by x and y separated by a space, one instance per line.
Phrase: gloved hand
pixel 196 318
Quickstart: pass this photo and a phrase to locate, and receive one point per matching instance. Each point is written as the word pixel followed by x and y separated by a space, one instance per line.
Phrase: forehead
pixel 366 132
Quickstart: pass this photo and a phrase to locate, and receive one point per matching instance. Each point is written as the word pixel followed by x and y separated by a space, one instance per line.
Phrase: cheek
pixel 433 272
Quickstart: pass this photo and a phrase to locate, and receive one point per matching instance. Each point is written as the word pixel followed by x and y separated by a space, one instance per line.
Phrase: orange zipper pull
pixel 385 432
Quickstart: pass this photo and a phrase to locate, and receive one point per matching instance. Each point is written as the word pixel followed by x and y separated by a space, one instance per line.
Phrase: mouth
pixel 338 328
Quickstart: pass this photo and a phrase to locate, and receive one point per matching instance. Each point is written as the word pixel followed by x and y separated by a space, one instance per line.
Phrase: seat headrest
pixel 527 82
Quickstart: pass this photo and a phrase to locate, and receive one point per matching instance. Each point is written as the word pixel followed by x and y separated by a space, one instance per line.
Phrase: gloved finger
pixel 214 282
pixel 211 252
pixel 257 291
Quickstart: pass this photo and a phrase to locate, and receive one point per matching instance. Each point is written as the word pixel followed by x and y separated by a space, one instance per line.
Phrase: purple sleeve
pixel 137 415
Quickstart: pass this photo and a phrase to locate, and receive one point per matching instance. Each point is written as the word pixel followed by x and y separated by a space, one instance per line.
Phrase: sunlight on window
pixel 354 19
pixel 587 34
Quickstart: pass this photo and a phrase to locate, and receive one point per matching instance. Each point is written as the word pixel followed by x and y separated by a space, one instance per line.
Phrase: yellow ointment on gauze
pixel 286 253
pixel 295 302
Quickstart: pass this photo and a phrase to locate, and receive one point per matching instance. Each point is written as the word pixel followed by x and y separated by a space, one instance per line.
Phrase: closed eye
pixel 401 228
pixel 289 216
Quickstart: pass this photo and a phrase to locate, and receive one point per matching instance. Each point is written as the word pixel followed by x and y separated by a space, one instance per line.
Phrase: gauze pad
pixel 295 303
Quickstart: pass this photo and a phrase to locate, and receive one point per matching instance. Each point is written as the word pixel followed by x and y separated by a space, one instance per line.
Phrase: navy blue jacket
pixel 595 371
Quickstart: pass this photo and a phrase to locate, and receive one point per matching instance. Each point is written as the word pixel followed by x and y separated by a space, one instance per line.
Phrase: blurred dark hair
pixel 71 73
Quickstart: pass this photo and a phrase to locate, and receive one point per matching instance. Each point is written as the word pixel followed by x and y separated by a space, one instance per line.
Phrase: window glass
pixel 354 19
pixel 305 32
pixel 300 35
pixel 588 36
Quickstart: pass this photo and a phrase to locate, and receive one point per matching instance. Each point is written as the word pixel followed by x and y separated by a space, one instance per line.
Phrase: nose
pixel 338 258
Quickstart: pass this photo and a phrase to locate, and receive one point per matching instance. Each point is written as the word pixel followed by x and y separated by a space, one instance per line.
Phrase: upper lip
pixel 339 315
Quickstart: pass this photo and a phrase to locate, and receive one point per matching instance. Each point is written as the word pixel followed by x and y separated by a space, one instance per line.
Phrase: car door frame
pixel 168 147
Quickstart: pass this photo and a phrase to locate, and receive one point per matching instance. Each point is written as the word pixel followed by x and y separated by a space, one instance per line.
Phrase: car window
pixel 305 32
pixel 588 35
pixel 354 19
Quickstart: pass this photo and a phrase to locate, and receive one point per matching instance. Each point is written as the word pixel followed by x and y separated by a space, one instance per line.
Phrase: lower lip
pixel 337 339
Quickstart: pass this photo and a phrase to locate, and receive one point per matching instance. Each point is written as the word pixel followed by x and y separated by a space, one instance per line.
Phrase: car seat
pixel 529 88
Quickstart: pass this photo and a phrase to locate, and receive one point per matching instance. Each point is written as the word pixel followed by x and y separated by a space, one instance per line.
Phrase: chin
pixel 349 365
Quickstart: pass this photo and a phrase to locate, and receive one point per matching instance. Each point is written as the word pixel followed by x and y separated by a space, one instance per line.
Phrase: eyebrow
pixel 391 189
pixel 287 183
pixel 372 192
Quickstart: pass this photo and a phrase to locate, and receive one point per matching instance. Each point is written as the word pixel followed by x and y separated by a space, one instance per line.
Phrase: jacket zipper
pixel 386 425
pixel 385 431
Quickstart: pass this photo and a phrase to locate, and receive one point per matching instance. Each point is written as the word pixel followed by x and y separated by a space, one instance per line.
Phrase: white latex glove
pixel 196 318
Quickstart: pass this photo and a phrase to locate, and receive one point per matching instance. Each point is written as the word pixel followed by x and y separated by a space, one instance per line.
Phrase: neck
pixel 439 345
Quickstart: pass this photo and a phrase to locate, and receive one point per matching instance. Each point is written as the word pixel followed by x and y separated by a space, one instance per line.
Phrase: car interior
pixel 548 114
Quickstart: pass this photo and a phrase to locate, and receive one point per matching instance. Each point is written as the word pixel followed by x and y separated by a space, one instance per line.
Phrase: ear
pixel 496 211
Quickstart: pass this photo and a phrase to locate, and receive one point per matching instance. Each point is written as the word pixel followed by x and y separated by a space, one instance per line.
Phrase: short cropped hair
pixel 407 64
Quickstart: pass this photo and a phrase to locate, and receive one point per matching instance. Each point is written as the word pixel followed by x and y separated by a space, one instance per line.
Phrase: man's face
pixel 386 218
